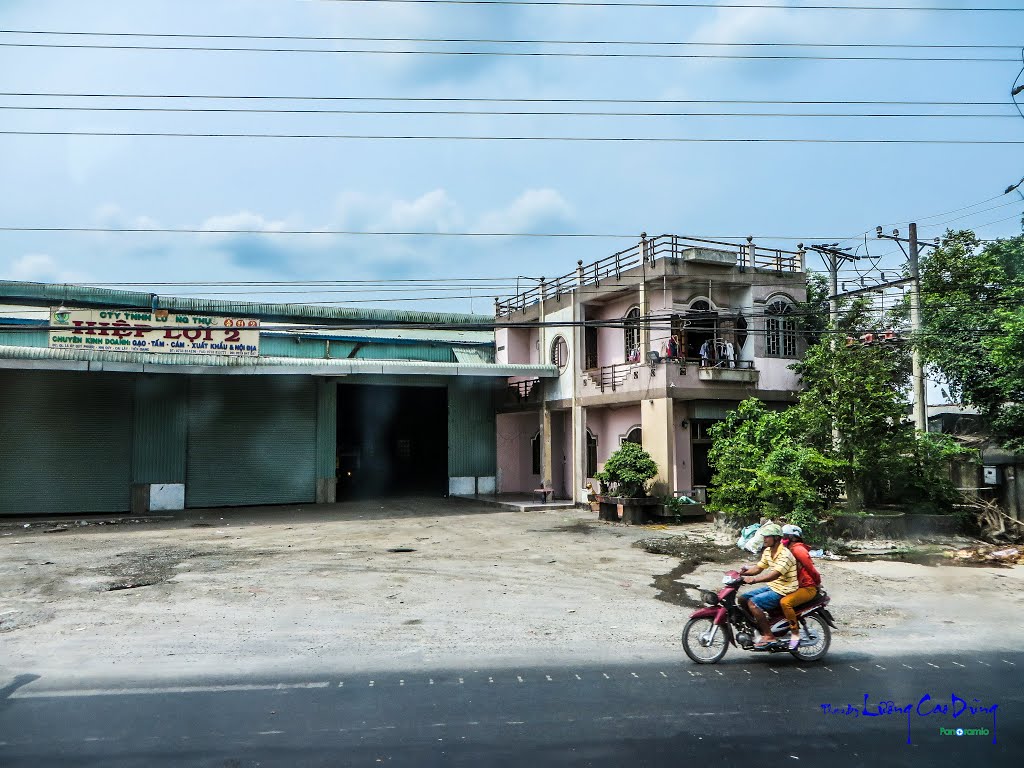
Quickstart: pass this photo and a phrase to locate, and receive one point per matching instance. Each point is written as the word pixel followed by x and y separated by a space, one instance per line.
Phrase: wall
pixel 610 345
pixel 515 431
pixel 517 343
pixel 560 388
pixel 683 472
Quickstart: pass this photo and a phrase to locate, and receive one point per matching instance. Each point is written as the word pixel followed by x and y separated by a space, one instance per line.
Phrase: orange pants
pixel 792 600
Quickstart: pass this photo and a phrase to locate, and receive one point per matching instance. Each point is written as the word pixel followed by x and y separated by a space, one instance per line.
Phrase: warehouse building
pixel 117 401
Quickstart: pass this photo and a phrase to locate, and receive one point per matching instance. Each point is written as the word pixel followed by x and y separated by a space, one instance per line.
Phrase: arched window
pixel 780 330
pixel 559 353
pixel 634 435
pixel 591 453
pixel 631 335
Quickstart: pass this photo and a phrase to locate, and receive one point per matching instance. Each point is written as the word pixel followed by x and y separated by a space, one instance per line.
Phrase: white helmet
pixel 792 530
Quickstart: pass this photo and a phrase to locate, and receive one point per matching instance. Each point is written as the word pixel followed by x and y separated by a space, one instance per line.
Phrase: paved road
pixel 748 710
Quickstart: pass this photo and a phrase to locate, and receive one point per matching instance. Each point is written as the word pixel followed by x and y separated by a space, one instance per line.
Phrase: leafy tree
pixel 628 470
pixel 972 301
pixel 765 467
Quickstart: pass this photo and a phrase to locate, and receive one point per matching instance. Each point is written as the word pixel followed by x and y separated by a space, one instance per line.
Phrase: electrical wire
pixel 513 54
pixel 486 99
pixel 587 139
pixel 496 41
pixel 657 4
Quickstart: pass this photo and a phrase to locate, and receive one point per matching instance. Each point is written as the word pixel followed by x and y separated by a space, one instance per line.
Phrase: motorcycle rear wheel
pixel 817 627
pixel 702 653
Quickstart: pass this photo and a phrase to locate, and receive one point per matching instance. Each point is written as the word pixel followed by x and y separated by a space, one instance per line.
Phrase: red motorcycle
pixel 710 630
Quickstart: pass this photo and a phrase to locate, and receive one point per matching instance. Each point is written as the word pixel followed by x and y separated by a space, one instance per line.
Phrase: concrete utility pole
pixel 920 391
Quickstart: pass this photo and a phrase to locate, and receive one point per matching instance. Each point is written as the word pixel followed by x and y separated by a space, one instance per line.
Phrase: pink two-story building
pixel 654 344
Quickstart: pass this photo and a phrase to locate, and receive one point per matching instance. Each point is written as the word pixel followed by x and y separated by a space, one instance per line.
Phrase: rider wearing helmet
pixel 807 576
pixel 776 568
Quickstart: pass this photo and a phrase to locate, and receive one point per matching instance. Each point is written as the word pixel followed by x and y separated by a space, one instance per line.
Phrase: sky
pixel 799 192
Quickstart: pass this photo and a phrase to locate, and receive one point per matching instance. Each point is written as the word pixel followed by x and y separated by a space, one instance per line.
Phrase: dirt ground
pixel 418 584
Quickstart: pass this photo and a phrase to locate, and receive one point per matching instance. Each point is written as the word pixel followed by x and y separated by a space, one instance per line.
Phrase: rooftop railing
pixel 672 247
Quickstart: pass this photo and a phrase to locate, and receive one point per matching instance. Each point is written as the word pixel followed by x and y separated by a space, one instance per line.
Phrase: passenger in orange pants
pixel 807 577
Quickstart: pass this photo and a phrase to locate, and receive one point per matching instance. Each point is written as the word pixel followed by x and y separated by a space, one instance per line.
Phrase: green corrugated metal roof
pixel 44 293
pixel 108 360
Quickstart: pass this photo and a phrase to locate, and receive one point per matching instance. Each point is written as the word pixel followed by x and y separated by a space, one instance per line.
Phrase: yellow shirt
pixel 785 565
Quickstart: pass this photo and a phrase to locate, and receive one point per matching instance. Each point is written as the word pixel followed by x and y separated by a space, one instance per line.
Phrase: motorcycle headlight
pixel 708 598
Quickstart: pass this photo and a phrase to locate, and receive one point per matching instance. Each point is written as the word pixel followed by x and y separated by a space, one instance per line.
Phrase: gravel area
pixel 417 584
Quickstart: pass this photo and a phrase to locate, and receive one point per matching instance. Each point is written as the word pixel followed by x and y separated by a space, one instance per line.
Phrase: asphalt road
pixel 749 710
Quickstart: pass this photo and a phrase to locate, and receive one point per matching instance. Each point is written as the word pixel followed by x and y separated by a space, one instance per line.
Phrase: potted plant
pixel 626 475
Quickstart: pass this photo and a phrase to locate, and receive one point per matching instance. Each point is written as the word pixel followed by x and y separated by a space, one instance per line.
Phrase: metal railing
pixel 671 247
pixel 521 391
pixel 612 376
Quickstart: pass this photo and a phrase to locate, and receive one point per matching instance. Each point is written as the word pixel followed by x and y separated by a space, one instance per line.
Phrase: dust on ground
pixel 421 583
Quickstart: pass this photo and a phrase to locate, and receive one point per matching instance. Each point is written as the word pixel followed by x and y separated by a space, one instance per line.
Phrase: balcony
pixel 523 392
pixel 737 372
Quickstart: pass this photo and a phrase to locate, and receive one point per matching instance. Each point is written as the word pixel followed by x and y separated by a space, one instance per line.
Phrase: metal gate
pixel 251 440
pixel 65 442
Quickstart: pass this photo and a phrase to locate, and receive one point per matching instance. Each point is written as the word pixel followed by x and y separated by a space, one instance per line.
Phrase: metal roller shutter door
pixel 251 441
pixel 65 442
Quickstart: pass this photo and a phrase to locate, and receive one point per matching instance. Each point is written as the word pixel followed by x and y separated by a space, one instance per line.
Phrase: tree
pixel 764 466
pixel 972 302
pixel 628 470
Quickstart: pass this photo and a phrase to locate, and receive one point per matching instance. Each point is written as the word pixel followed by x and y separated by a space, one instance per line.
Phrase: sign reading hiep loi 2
pixel 160 331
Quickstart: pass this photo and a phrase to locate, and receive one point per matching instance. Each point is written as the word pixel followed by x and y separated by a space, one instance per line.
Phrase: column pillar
pixel 656 420
pixel 546 471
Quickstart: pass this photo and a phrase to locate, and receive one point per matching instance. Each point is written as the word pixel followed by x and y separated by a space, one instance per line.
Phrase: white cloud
pixel 533 210
pixel 40 268
pixel 243 220
pixel 435 211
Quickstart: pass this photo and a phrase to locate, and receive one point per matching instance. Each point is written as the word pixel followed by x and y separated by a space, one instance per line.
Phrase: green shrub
pixel 627 471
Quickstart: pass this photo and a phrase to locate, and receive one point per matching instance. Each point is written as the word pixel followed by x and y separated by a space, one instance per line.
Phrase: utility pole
pixel 834 257
pixel 920 392
pixel 917 363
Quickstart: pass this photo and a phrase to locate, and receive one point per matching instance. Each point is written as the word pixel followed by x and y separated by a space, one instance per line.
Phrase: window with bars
pixel 780 330
pixel 559 353
pixel 631 335
pixel 591 454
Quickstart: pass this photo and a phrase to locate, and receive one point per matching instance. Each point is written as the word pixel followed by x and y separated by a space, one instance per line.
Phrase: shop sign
pixel 160 332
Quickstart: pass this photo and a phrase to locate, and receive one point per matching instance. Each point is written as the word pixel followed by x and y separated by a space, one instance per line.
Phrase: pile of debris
pixel 984 554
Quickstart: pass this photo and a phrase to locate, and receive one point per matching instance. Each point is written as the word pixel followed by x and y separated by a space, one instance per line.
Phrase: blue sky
pixel 805 191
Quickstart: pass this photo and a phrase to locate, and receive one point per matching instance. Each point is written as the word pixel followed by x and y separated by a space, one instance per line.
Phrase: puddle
pixel 691 554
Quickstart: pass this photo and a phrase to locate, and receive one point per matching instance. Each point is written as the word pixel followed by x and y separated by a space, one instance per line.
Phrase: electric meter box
pixel 990 475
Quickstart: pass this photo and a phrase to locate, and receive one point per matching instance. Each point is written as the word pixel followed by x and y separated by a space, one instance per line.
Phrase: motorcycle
pixel 723 621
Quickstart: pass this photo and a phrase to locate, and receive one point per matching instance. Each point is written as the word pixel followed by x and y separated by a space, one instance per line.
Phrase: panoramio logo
pixel 963 732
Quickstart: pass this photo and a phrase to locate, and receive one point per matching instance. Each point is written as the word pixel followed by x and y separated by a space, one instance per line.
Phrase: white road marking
pixel 22 693
pixel 341 684
pixel 854 668
pixel 514 722
pixel 932 665
pixel 490 679
pixel 663 674
pixel 431 681
pixel 438 725
pixel 908 666
pixel 401 682
pixel 747 671
pixel 519 678
pixel 606 676
pixel 269 733
pixel 1009 662
pixel 371 683
pixel 879 666
pixel 829 668
pixel 689 673
pixel 578 677
pixel 461 681
pixel 982 662
pixel 634 674
pixel 720 672
pixel 775 671
pixel 802 670
pixel 548 677
pixel 960 665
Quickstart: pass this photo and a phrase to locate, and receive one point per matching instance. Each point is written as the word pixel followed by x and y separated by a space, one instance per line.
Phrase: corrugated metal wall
pixel 326 428
pixel 65 442
pixel 251 440
pixel 160 429
pixel 472 441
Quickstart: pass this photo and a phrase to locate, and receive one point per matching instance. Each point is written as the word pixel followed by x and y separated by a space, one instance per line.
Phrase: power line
pixel 527 54
pixel 487 99
pixel 502 113
pixel 631 139
pixel 496 41
pixel 656 4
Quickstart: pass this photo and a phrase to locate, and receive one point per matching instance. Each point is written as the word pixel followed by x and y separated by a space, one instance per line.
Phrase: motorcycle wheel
pixel 817 627
pixel 699 652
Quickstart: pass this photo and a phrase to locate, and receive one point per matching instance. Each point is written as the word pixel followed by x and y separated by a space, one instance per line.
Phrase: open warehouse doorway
pixel 392 440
